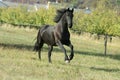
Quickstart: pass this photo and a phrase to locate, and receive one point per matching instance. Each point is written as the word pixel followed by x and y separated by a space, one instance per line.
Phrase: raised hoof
pixel 70 57
pixel 67 61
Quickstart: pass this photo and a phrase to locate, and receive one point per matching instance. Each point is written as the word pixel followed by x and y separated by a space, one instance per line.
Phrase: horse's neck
pixel 62 24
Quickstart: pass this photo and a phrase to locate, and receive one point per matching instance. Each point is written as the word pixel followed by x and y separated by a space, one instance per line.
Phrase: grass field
pixel 19 62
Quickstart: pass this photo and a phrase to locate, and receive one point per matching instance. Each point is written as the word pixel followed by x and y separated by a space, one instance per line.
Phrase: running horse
pixel 57 35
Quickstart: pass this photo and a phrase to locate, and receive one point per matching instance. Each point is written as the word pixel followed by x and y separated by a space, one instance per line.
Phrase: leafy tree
pixel 102 21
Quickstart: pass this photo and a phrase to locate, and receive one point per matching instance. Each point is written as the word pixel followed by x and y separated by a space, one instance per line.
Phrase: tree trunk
pixel 105 44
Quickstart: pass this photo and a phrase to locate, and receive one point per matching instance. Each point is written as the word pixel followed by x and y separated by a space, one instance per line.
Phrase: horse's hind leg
pixel 49 53
pixel 72 50
pixel 39 52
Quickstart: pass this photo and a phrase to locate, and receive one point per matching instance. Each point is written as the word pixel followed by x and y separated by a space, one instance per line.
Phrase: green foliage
pixel 103 20
pixel 20 16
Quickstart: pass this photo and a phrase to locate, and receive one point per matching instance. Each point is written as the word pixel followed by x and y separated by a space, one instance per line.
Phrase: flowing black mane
pixel 59 15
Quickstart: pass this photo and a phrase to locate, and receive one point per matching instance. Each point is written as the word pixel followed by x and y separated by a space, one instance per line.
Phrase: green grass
pixel 19 62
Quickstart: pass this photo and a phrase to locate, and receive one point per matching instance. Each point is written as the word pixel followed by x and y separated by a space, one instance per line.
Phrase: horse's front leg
pixel 63 49
pixel 72 52
pixel 39 54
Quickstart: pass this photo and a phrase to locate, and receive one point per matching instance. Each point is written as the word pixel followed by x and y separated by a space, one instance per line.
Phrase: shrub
pixel 20 16
pixel 103 20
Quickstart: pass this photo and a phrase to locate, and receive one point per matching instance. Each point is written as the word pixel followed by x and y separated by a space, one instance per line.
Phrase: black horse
pixel 56 35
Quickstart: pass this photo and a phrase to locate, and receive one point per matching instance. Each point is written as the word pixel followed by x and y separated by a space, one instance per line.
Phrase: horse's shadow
pixel 17 46
pixel 30 48
pixel 87 53
pixel 105 69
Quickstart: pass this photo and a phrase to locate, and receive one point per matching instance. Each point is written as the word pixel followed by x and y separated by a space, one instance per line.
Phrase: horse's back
pixel 47 34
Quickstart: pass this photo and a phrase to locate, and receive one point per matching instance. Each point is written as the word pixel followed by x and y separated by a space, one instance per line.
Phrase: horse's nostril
pixel 70 25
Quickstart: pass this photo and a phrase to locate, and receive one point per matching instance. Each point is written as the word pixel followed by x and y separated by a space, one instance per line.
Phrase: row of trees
pixel 21 17
pixel 104 20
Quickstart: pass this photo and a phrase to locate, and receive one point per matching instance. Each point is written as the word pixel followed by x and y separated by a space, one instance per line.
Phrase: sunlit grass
pixel 19 62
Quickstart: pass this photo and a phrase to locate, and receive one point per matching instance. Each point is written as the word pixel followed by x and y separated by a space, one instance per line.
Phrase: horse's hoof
pixel 67 61
pixel 69 57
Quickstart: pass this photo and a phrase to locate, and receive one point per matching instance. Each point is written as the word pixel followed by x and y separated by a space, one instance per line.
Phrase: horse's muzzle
pixel 70 25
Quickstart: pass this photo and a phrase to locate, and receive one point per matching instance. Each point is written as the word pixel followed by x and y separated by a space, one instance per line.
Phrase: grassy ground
pixel 19 62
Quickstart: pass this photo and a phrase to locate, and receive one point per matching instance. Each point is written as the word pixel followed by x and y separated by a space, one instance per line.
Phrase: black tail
pixel 36 47
pixel 37 43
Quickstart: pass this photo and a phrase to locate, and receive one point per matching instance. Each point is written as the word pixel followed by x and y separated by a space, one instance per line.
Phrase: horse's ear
pixel 72 10
pixel 68 9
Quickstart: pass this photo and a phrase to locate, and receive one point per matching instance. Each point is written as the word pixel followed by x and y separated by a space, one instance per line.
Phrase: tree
pixel 102 21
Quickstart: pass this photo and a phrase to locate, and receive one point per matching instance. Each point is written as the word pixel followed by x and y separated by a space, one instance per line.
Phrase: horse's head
pixel 69 17
pixel 65 15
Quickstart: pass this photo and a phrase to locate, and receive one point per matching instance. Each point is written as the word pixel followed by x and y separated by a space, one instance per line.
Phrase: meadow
pixel 18 61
